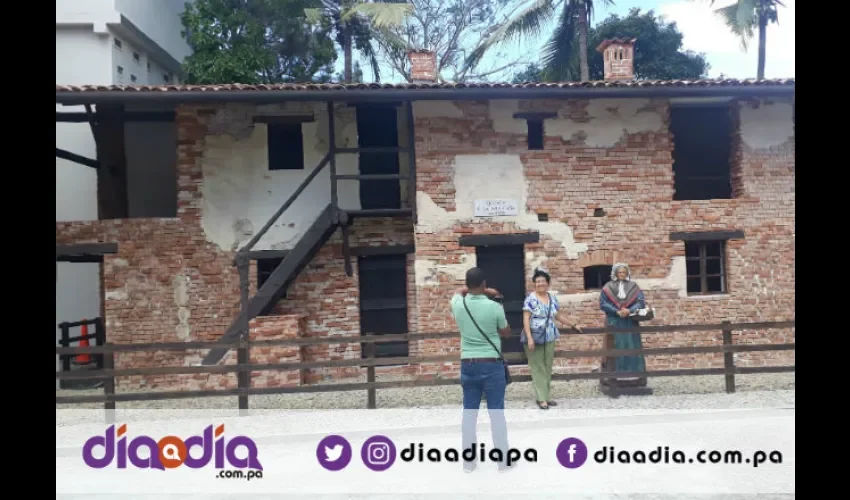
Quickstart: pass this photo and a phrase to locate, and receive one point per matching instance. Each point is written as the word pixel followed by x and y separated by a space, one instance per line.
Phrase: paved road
pixel 291 467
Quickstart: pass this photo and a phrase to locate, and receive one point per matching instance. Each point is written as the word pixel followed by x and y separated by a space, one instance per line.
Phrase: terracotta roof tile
pixel 622 41
pixel 353 87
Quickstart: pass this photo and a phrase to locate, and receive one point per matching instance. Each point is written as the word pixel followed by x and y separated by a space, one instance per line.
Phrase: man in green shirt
pixel 482 370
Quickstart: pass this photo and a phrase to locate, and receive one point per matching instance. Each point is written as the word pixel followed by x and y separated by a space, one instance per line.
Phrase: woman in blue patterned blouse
pixel 540 312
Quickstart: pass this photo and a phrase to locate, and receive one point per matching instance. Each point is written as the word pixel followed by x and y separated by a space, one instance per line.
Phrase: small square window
pixel 706 267
pixel 120 70
pixel 166 77
pixel 595 277
pixel 133 78
pixel 136 57
pixel 285 146
pixel 149 66
pixel 535 134
pixel 118 43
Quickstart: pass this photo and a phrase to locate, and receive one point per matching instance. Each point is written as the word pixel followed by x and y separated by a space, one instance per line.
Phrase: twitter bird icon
pixel 334 452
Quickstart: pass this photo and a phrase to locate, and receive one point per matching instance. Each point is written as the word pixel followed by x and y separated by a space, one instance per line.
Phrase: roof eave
pixel 422 94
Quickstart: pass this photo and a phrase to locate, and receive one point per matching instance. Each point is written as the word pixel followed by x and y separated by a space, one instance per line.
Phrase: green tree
pixel 744 16
pixel 658 50
pixel 255 41
pixel 354 23
pixel 569 37
pixel 449 28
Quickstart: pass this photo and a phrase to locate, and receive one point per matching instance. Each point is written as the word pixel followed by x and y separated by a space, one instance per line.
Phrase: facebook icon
pixel 571 453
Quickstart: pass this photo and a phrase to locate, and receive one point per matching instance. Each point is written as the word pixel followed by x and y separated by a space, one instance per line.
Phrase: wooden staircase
pixel 285 273
pixel 327 222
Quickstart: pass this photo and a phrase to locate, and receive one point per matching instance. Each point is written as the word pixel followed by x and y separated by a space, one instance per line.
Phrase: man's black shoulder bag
pixel 498 352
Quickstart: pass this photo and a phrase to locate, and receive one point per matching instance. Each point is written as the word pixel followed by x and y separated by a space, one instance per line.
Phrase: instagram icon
pixel 378 453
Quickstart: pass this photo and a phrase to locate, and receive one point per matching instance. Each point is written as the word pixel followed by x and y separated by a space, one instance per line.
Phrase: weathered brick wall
pixel 290 326
pixel 587 165
pixel 169 282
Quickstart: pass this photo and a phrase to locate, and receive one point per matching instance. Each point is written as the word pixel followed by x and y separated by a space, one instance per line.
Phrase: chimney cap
pixel 423 65
pixel 615 41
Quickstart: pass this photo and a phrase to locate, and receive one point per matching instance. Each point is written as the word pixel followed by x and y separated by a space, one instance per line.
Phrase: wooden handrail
pixel 287 204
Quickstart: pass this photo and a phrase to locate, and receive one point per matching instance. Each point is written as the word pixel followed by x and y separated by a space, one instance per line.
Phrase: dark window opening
pixel 265 268
pixel 595 277
pixel 377 127
pixel 706 267
pixel 702 149
pixel 285 146
pixel 504 269
pixel 383 302
pixel 535 134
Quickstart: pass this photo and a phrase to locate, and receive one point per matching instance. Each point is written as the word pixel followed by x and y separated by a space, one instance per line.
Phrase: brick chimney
pixel 618 55
pixel 423 66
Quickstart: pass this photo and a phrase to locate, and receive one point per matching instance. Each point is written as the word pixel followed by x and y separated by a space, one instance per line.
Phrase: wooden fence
pixel 243 390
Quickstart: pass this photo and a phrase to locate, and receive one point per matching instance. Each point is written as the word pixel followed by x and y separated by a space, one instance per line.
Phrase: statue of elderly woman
pixel 621 299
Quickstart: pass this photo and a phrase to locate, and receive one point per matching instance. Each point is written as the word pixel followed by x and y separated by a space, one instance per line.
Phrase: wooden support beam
pixel 108 130
pixel 127 116
pixel 346 251
pixel 82 160
pixel 411 159
pixel 483 240
pixel 383 250
pixel 539 115
pixel 736 234
pixel 332 150
pixel 265 254
pixel 291 119
pixel 85 252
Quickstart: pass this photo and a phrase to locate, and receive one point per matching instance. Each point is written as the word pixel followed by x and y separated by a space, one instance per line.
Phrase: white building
pixel 131 42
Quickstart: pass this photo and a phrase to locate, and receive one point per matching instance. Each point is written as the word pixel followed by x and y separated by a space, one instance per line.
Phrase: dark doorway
pixel 383 301
pixel 377 127
pixel 504 267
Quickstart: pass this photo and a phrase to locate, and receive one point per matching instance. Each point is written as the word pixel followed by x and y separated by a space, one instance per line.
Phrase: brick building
pixel 691 183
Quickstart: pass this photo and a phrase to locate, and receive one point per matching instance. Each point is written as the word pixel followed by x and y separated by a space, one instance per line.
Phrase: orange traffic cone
pixel 84 359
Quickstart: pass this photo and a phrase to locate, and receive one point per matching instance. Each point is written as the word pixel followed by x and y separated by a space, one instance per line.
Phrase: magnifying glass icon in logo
pixel 172 451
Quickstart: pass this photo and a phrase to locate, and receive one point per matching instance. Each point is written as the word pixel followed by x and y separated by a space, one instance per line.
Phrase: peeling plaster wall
pixel 766 125
pixel 613 155
pixel 504 179
pixel 240 193
pixel 602 124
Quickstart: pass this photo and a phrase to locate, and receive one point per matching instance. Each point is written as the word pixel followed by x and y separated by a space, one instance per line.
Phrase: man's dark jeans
pixel 487 379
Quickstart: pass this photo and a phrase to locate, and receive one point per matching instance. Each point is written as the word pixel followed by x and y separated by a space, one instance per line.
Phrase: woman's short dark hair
pixel 538 273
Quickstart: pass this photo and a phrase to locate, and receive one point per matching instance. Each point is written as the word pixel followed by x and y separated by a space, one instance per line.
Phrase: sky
pixel 703 31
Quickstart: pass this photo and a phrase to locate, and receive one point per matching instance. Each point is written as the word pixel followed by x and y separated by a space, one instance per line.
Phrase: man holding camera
pixel 483 372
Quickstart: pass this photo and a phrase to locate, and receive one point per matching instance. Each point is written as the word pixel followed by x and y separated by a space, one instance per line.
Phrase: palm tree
pixel 353 22
pixel 560 51
pixel 744 15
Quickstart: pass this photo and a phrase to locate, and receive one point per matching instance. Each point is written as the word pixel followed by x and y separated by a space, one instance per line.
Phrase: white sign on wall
pixel 492 208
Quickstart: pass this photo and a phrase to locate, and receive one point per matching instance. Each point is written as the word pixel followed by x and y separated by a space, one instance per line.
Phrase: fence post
pixel 243 377
pixel 728 359
pixel 99 339
pixel 371 402
pixel 109 385
pixel 65 342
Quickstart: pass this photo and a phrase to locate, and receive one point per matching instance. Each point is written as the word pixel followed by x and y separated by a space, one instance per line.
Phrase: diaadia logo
pixel 169 452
